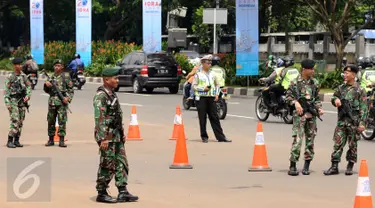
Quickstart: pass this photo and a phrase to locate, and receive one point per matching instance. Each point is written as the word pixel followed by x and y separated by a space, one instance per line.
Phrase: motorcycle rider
pixel 274 88
pixel 367 74
pixel 189 91
pixel 219 72
pixel 30 65
pixel 75 65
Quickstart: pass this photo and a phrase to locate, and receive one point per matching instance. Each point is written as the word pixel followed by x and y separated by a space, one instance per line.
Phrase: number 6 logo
pixel 23 177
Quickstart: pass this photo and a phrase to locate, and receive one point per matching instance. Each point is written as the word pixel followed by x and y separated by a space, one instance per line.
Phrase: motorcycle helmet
pixel 215 60
pixel 289 61
pixel 368 62
pixel 270 57
pixel 280 62
pixel 361 63
pixel 29 56
pixel 77 56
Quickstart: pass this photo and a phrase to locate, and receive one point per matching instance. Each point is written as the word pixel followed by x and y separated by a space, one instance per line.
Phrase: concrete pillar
pixel 291 40
pixel 270 43
pixel 360 46
pixel 311 46
pixel 326 44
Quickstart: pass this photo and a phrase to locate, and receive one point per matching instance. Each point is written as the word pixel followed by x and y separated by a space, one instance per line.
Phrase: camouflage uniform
pixel 346 128
pixel 305 125
pixel 113 161
pixel 17 86
pixel 56 108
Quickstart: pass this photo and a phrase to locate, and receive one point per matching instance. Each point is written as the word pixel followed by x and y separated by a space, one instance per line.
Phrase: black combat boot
pixel 104 197
pixel 10 142
pixel 50 142
pixel 333 170
pixel 125 196
pixel 17 142
pixel 62 143
pixel 293 169
pixel 349 168
pixel 305 170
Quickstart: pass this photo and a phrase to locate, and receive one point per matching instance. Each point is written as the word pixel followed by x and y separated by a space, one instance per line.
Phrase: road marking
pixel 126 93
pixel 44 94
pixel 332 112
pixel 129 104
pixel 237 116
pixel 233 103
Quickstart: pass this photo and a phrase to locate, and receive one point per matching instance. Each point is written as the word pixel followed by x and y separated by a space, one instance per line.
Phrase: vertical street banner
pixel 247 38
pixel 151 11
pixel 37 30
pixel 83 30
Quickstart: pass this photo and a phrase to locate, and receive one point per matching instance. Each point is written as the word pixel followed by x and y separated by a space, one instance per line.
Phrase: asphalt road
pixel 219 177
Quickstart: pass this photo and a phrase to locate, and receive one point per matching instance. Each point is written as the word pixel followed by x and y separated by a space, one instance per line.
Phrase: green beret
pixel 308 64
pixel 110 72
pixel 17 60
pixel 57 61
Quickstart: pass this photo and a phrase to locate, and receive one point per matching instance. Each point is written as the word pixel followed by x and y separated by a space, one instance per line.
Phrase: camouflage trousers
pixel 303 128
pixel 345 133
pixel 61 114
pixel 113 162
pixel 17 116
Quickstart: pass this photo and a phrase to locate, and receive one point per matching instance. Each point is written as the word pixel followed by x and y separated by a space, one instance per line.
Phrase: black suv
pixel 149 70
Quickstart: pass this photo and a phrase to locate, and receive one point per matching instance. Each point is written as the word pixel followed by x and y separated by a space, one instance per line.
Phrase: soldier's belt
pixel 16 96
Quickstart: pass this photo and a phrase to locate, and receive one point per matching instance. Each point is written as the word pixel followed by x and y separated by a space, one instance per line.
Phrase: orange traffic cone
pixel 56 138
pixel 178 125
pixel 260 162
pixel 363 198
pixel 133 132
pixel 181 160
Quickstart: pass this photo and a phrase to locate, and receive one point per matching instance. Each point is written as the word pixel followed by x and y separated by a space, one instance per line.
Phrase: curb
pixel 236 92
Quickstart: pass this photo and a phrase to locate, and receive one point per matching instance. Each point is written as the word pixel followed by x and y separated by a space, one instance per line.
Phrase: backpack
pixel 34 66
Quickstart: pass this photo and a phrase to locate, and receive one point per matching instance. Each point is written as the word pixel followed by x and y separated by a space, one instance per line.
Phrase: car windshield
pixel 163 58
pixel 191 54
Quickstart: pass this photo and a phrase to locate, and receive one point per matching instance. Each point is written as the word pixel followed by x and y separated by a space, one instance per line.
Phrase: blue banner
pixel 37 31
pixel 83 30
pixel 247 38
pixel 151 25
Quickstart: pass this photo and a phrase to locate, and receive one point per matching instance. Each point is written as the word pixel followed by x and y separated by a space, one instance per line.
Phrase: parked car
pixel 149 70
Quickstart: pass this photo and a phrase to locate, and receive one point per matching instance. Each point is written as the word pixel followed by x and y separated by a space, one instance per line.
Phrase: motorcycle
pixel 79 79
pixel 283 110
pixel 369 132
pixel 221 104
pixel 33 78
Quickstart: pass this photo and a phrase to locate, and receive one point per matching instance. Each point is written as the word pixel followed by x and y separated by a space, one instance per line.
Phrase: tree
pixel 337 15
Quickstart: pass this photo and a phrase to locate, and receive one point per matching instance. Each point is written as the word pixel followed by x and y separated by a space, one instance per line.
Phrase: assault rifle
pixel 308 107
pixel 117 123
pixel 345 110
pixel 22 91
pixel 57 91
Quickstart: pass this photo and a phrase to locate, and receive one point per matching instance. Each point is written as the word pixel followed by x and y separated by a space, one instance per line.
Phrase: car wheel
pixel 136 86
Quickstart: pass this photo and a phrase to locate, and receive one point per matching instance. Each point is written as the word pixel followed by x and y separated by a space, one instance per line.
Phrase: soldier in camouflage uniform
pixel 304 123
pixel 57 108
pixel 109 134
pixel 348 128
pixel 17 93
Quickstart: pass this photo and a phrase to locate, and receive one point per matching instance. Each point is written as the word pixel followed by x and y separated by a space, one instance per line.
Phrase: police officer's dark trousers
pixel 206 105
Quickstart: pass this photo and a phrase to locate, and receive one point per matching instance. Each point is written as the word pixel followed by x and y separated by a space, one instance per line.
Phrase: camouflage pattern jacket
pixel 308 89
pixel 64 84
pixel 107 109
pixel 14 85
pixel 357 99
